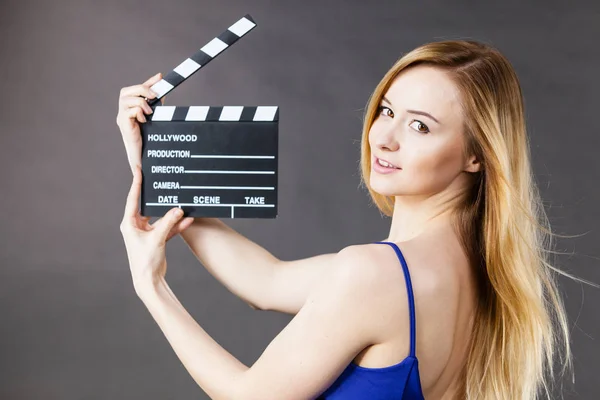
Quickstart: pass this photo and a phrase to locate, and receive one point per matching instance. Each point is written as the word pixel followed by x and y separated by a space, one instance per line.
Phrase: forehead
pixel 426 88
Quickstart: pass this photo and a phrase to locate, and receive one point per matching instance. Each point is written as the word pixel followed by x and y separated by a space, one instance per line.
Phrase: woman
pixel 457 302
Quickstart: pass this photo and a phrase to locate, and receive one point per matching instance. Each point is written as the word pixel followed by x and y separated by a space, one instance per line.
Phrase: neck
pixel 413 215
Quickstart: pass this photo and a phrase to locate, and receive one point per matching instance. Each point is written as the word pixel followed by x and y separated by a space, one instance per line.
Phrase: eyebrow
pixel 414 111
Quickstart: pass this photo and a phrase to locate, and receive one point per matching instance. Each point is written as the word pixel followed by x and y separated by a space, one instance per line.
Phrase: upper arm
pixel 294 280
pixel 334 325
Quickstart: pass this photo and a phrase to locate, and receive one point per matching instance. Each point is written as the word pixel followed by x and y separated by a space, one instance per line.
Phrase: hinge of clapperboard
pixel 192 64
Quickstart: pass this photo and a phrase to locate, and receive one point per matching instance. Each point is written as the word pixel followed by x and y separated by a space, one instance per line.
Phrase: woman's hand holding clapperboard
pixel 145 242
pixel 132 107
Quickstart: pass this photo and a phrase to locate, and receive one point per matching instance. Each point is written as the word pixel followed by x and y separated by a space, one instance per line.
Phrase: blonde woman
pixel 459 301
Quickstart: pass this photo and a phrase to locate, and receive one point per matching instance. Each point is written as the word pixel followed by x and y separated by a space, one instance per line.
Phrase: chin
pixel 384 188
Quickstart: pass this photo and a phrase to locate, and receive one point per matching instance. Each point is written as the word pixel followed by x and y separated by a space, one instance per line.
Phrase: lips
pixel 381 170
pixel 385 163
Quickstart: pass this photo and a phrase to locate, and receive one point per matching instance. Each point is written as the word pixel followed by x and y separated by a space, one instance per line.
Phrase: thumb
pixel 164 225
pixel 153 79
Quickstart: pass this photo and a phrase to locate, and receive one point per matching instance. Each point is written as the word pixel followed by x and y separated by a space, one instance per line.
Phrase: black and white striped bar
pixel 218 162
pixel 215 113
pixel 207 53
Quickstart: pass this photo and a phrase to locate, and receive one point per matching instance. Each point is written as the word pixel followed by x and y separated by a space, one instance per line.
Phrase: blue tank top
pixel 400 381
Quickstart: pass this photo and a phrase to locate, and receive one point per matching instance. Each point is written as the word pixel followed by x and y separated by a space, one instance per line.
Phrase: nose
pixel 385 139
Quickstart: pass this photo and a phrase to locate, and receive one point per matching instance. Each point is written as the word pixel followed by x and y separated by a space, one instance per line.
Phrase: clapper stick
pixel 210 161
pixel 205 55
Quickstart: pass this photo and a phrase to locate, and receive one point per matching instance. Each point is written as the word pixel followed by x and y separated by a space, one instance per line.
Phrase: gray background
pixel 71 325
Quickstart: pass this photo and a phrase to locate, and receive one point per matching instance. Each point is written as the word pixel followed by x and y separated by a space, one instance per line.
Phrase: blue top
pixel 399 381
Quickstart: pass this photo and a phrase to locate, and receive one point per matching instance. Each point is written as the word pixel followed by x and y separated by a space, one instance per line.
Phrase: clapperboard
pixel 210 161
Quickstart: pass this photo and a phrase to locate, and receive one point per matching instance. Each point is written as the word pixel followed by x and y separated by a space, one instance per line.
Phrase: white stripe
pixel 161 88
pixel 214 47
pixel 231 113
pixel 231 211
pixel 230 187
pixel 241 27
pixel 187 67
pixel 197 113
pixel 163 113
pixel 265 113
pixel 255 157
pixel 213 171
pixel 209 205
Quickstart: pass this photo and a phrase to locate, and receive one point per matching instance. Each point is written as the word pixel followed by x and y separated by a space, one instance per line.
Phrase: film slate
pixel 210 161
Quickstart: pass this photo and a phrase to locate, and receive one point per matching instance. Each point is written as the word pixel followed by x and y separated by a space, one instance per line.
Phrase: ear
pixel 473 165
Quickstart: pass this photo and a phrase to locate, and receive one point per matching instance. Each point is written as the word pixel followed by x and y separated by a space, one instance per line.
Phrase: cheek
pixel 432 167
pixel 429 159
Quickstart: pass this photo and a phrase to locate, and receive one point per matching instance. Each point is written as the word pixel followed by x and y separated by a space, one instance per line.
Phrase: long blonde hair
pixel 520 322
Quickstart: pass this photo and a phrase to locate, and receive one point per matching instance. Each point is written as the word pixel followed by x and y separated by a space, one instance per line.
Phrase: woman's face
pixel 426 150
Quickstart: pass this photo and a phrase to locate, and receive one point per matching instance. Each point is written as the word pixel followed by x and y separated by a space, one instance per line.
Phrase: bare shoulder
pixel 357 267
pixel 437 286
pixel 378 279
pixel 433 270
pixel 377 265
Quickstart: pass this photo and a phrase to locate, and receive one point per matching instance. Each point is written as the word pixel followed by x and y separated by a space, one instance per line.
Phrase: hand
pixel 132 107
pixel 146 243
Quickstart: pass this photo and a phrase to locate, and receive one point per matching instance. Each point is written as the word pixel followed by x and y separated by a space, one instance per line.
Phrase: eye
pixel 381 108
pixel 420 125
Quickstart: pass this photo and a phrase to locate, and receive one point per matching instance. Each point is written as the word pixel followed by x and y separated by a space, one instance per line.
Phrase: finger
pixel 125 118
pixel 129 102
pixel 153 79
pixel 180 227
pixel 135 113
pixel 141 117
pixel 137 91
pixel 131 207
pixel 162 100
pixel 163 226
pixel 141 89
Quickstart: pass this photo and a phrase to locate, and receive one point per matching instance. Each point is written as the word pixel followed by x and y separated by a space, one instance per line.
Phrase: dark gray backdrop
pixel 71 326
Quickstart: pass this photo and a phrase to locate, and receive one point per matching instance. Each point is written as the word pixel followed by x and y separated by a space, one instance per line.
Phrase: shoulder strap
pixel 411 298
